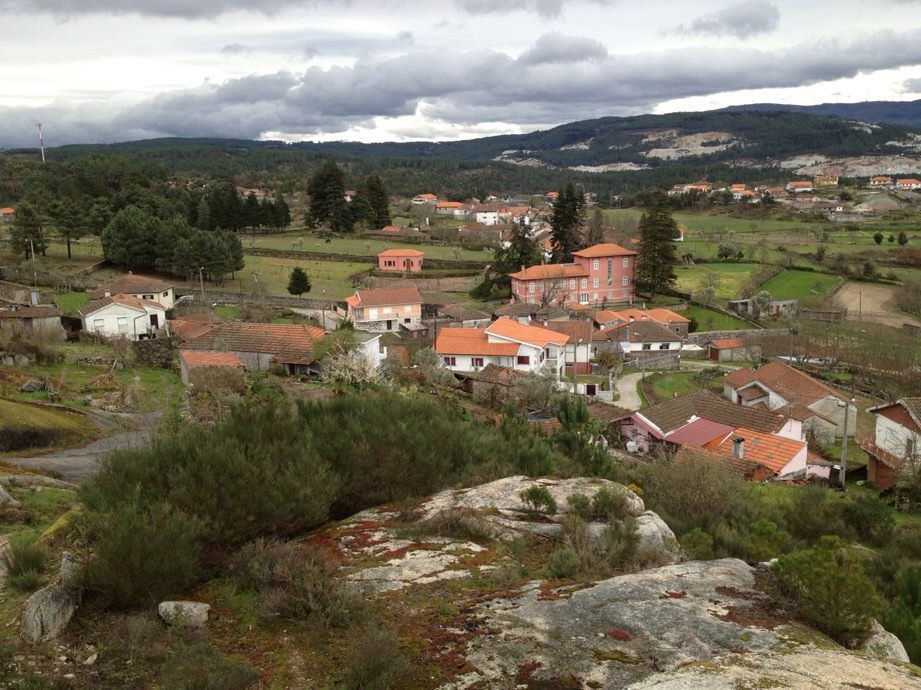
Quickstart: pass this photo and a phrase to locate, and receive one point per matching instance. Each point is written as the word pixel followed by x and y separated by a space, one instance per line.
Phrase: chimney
pixel 632 318
pixel 645 316
pixel 738 447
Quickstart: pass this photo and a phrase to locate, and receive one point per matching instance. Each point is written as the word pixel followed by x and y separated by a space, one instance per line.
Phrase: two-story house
pixel 385 309
pixel 598 274
pixel 141 287
pixel 505 343
pixel 896 440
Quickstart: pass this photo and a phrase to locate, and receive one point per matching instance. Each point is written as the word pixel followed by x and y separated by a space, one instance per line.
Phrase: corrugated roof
pixel 604 249
pixel 207 358
pixel 385 297
pixel 131 284
pixel 471 341
pixel 532 335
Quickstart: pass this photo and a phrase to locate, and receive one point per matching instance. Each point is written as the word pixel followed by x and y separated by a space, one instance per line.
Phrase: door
pixel 389 325
pixel 154 321
pixel 590 389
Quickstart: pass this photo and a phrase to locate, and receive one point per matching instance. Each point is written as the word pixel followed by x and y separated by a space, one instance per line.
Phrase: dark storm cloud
pixel 741 20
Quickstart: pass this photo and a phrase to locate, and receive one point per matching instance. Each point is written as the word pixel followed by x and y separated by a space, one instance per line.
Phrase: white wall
pixel 893 437
pixel 115 320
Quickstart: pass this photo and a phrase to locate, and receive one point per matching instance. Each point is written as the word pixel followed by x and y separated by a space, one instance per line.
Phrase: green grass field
pixel 360 246
pixel 71 302
pixel 730 278
pixel 799 284
pixel 666 385
pixel 712 320
pixel 25 426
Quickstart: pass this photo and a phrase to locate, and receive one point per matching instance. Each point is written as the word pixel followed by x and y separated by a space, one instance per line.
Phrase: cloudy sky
pixel 114 70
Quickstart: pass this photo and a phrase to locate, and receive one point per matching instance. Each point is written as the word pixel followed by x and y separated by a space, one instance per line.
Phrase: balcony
pixel 868 443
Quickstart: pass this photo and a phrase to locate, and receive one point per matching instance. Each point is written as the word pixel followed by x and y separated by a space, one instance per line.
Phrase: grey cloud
pixel 234 49
pixel 554 48
pixel 406 37
pixel 912 85
pixel 465 88
pixel 744 19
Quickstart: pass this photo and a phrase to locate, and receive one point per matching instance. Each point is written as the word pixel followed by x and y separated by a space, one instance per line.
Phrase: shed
pixel 211 370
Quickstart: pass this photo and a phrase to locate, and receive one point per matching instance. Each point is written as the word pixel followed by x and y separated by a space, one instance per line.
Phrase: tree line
pixel 329 205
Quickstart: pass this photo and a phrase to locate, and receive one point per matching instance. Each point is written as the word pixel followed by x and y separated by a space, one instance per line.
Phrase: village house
pixel 260 346
pixel 667 318
pixel 425 198
pixel 579 346
pixel 906 184
pixel 702 187
pixel 526 313
pixel 880 181
pixel 454 209
pixel 385 309
pixel 211 371
pixel 141 287
pixel 125 316
pixel 400 260
pixel 505 343
pixel 799 186
pixel 896 440
pixel 644 338
pixel 825 180
pixel 33 320
pixel 600 273
pixel 781 388
pixel 455 314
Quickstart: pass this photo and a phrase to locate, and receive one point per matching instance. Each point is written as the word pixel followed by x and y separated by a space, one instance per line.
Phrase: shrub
pixel 581 505
pixel 375 662
pixel 25 562
pixel 601 554
pixel 291 582
pixel 456 523
pixel 607 504
pixel 697 543
pixel 200 666
pixel 563 563
pixel 539 499
pixel 766 540
pixel 870 518
pixel 830 588
pixel 813 513
pixel 902 616
pixel 142 555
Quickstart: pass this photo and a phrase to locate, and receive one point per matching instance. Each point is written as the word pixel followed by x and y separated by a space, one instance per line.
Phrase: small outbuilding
pixel 730 350
pixel 400 260
pixel 33 320
pixel 211 371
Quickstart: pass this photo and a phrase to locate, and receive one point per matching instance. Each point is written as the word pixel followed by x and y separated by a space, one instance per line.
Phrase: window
pixel 530 300
pixel 647 346
pixel 99 324
pixel 625 281
pixel 122 324
pixel 610 271
pixel 476 361
pixel 626 263
pixel 524 359
pixel 387 310
pixel 450 361
pixel 595 283
pixel 407 309
pixel 562 285
pixel 663 346
pixel 166 294
pixel 572 284
pixel 583 298
pixel 595 265
pixel 584 283
pixel 530 286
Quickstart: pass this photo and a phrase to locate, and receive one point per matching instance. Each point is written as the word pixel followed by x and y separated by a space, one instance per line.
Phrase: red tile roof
pixel 580 329
pixel 426 195
pixel 532 335
pixel 471 341
pixel 790 383
pixel 605 249
pixel 291 343
pixel 131 284
pixel 551 271
pixel 129 301
pixel 400 252
pixel 30 313
pixel 205 358
pixel 771 451
pixel 187 329
pixel 658 314
pixel 385 297
pixel 698 433
pixel 675 413
pixel 727 343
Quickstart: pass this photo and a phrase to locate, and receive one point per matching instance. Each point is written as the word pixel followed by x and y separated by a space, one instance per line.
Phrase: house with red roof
pixel 729 350
pixel 505 343
pixel 896 441
pixel 260 346
pixel 385 309
pixel 125 316
pixel 400 260
pixel 425 198
pixel 799 186
pixel 778 386
pixel 907 184
pixel 142 287
pixel 7 214
pixel 666 318
pixel 455 209
pixel 597 274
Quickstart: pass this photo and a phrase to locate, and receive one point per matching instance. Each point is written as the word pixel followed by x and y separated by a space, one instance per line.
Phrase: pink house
pixel 400 260
pixel 598 274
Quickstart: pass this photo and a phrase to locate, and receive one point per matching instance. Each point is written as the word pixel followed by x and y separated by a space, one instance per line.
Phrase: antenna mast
pixel 41 140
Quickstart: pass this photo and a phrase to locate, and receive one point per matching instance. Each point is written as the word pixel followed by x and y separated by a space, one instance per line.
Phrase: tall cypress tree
pixel 566 223
pixel 376 195
pixel 657 256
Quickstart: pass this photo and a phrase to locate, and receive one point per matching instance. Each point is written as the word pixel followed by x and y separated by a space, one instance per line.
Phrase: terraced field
pixel 25 426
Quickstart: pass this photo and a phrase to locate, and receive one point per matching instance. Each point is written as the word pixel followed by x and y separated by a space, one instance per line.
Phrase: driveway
pixel 627 389
pixel 79 464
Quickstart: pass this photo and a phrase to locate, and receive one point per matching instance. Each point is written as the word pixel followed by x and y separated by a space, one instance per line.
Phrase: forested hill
pixel 610 155
pixel 904 113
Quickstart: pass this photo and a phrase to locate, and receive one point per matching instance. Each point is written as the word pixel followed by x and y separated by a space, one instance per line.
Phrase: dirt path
pixel 79 464
pixel 626 388
pixel 872 302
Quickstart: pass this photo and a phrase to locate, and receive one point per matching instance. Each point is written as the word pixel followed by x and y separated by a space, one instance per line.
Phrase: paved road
pixel 626 388
pixel 79 464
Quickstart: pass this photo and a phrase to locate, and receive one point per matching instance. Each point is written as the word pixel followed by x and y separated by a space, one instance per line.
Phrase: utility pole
pixel 847 410
pixel 41 140
pixel 34 274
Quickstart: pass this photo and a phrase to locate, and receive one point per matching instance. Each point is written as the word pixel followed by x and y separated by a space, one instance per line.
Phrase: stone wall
pixel 216 296
pixel 755 335
pixel 353 258
pixel 159 353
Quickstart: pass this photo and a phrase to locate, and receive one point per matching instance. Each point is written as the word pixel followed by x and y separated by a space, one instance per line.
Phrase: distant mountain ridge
pixel 905 113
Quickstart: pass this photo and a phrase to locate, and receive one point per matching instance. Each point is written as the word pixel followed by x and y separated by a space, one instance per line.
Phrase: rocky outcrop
pixel 884 645
pixel 48 610
pixel 7 501
pixel 191 614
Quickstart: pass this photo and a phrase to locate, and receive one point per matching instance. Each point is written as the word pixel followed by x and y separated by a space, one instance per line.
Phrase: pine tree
pixel 376 195
pixel 327 199
pixel 251 216
pixel 69 222
pixel 203 215
pixel 27 226
pixel 657 256
pixel 281 212
pixel 298 282
pixel 567 219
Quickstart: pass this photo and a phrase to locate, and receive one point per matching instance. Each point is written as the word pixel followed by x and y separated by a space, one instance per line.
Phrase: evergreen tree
pixel 299 281
pixel 27 226
pixel 327 199
pixel 657 256
pixel 522 250
pixel 376 195
pixel 99 215
pixel 596 227
pixel 168 237
pixel 566 221
pixel 129 240
pixel 234 251
pixel 251 215
pixel 203 215
pixel 69 221
pixel 281 213
pixel 903 239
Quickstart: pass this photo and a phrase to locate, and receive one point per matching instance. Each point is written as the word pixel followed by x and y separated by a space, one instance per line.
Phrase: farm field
pixel 360 246
pixel 730 278
pixel 872 302
pixel 712 320
pixel 799 284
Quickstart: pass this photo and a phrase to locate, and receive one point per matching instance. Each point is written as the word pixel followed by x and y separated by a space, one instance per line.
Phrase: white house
pixel 125 316
pixel 141 287
pixel 425 198
pixel 644 336
pixel 896 441
pixel 505 343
